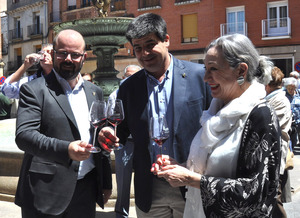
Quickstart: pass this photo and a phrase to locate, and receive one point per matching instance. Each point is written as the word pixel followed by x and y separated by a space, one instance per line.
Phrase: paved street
pixel 293 208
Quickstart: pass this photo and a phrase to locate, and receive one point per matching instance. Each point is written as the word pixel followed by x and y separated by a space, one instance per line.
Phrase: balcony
pixel 35 30
pixel 149 4
pixel 16 34
pixel 276 28
pixel 231 28
pixel 182 2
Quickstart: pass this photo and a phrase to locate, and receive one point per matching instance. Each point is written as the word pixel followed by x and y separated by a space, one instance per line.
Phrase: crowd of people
pixel 232 122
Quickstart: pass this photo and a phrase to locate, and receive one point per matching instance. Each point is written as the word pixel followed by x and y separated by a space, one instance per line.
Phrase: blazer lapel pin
pixel 94 93
pixel 183 75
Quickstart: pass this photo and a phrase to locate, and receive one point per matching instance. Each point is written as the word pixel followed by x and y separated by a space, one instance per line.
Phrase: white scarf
pixel 214 149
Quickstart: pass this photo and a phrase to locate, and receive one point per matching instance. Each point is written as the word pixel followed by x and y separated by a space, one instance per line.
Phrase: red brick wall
pixel 212 13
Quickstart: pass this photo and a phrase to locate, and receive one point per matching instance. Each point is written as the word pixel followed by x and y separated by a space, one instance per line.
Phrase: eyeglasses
pixel 63 55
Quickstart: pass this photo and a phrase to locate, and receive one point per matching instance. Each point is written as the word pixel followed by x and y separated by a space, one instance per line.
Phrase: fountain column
pixel 105 74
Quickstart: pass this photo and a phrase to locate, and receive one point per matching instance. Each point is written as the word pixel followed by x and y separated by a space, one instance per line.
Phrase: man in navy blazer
pixel 59 176
pixel 166 86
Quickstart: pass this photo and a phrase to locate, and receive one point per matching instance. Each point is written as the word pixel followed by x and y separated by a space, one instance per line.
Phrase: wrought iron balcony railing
pixel 185 1
pixel 16 34
pixel 231 28
pixel 276 27
pixel 34 30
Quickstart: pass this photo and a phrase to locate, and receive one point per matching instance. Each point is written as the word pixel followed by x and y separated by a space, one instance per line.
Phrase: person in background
pixel 12 84
pixel 277 99
pixel 123 159
pixel 166 86
pixel 130 70
pixel 87 77
pixel 293 95
pixel 5 107
pixel 59 176
pixel 295 75
pixel 233 165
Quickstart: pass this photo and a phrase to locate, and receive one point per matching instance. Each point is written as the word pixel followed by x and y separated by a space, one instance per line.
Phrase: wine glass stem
pixel 115 130
pixel 160 148
pixel 94 138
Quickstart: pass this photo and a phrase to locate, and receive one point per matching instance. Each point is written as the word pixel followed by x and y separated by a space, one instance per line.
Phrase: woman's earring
pixel 240 80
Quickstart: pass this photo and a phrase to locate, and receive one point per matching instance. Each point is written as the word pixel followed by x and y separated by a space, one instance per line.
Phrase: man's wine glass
pixel 115 115
pixel 97 118
pixel 159 130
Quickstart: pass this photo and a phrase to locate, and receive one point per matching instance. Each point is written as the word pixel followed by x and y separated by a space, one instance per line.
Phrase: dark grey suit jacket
pixel 45 127
pixel 190 97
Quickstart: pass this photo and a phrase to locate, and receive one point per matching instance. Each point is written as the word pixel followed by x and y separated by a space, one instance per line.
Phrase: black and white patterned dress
pixel 252 193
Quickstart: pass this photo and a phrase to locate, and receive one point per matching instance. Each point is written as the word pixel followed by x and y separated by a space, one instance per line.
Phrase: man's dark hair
pixel 146 24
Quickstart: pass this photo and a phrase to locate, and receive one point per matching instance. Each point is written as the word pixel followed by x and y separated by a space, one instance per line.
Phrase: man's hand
pixel 30 59
pixel 106 195
pixel 78 151
pixel 107 140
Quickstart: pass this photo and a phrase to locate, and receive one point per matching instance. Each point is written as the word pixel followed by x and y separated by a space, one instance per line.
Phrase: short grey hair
pixel 237 49
pixel 132 65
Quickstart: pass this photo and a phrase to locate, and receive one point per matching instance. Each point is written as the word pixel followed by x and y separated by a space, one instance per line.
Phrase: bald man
pixel 59 176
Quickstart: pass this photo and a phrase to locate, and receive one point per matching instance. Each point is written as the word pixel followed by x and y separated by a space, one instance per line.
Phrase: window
pixel 86 3
pixel 37 24
pixel 18 61
pixel 117 5
pixel 55 15
pixel 189 28
pixel 235 20
pixel 148 3
pixel 71 4
pixel 277 18
pixel 18 31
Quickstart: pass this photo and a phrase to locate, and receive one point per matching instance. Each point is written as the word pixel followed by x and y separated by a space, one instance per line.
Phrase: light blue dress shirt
pixel 161 104
pixel 78 102
pixel 12 90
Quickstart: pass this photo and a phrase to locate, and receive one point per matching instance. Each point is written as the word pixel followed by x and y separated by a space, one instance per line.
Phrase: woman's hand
pixel 162 160
pixel 176 174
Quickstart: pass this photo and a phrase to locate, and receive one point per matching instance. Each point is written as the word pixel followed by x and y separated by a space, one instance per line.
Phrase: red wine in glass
pixel 98 123
pixel 160 141
pixel 114 120
pixel 159 130
pixel 115 115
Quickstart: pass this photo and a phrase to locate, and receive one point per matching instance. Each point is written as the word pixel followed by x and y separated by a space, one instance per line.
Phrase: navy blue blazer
pixel 45 127
pixel 191 95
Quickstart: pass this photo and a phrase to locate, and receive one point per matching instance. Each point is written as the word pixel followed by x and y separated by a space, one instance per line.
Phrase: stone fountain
pixel 105 35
